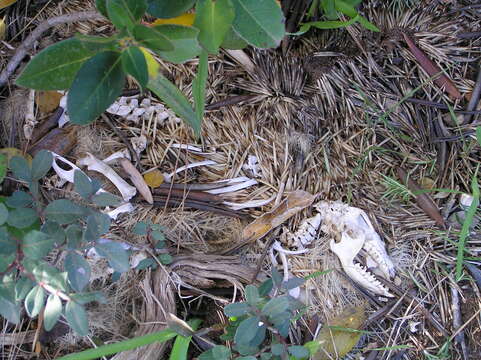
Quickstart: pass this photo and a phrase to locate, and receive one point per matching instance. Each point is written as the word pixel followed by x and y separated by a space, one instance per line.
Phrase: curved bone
pixel 306 233
pixel 95 164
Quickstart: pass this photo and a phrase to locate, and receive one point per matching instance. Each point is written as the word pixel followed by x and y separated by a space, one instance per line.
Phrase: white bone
pixel 123 208
pixel 95 164
pixel 168 177
pixel 233 188
pixel 117 155
pixel 249 204
pixel 306 233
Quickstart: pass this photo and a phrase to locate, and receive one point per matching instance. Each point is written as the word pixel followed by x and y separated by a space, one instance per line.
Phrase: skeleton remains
pixel 350 231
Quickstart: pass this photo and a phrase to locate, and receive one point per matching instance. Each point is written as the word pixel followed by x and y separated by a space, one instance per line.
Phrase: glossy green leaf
pixel 20 168
pixel 132 9
pixel 22 218
pixel 55 67
pixel 184 40
pixel 3 214
pixel 325 25
pixel 64 211
pixel 36 245
pixel 106 199
pixel 119 14
pixel 99 43
pixel 46 273
pixel 247 330
pixel 78 270
pixel 198 86
pixel 3 167
pixel 77 318
pixel 175 100
pixel 34 301
pixel 367 24
pixel 8 245
pixel 233 41
pixel 52 312
pixel 97 84
pixel 23 287
pixel 152 38
pixel 134 64
pixel 19 199
pixel 329 9
pixel 115 254
pixel 260 23
pixel 41 164
pixel 214 19
pixel 345 8
pixel 168 9
pixel 9 307
pixel 83 184
pixel 74 235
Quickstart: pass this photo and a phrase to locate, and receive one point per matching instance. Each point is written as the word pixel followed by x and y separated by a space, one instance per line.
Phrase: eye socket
pixel 63 165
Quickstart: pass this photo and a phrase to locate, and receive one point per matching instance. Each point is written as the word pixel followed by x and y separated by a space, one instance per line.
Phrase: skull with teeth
pixel 351 231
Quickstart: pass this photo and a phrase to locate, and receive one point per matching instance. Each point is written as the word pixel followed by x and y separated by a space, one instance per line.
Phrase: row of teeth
pixel 374 284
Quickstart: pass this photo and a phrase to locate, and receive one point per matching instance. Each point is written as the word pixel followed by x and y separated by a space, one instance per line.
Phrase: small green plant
pixel 30 232
pixel 94 68
pixel 332 10
pixel 156 239
pixel 396 190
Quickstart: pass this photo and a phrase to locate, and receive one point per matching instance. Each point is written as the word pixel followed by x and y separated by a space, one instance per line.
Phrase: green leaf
pixel 247 330
pixel 174 99
pixel 99 43
pixel 64 211
pixel 3 167
pixel 152 38
pixel 34 301
pixel 252 295
pixel 124 13
pixel 97 84
pixel 325 25
pixel 213 18
pixel 9 308
pixel 299 352
pixel 276 305
pixel 345 8
pixel 266 287
pixel 54 231
pixel 158 236
pixel 184 39
pixel 19 199
pixel 367 24
pixel 277 349
pixel 36 245
pixel 293 283
pixel 329 9
pixel 233 41
pixel 140 228
pixel 168 9
pixel 47 274
pixel 83 185
pixel 236 309
pixel 87 297
pixel 260 23
pixel 97 225
pixel 478 135
pixel 101 6
pixel 3 214
pixel 22 217
pixel 181 344
pixel 52 312
pixel 145 263
pixel 20 168
pixel 54 68
pixel 23 287
pixel 165 259
pixel 77 318
pixel 78 270
pixel 41 164
pixel 134 64
pixel 198 86
pixel 74 235
pixel 115 254
pixel 6 261
pixel 106 199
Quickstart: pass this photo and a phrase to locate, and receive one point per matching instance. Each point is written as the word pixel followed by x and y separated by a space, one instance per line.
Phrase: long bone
pixel 351 231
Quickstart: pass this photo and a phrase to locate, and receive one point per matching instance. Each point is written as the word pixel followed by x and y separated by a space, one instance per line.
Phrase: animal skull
pixel 351 231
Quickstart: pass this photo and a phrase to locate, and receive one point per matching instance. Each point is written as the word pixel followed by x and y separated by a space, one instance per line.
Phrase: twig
pixel 27 44
pixel 133 153
pixel 475 95
pixel 263 256
pixel 458 321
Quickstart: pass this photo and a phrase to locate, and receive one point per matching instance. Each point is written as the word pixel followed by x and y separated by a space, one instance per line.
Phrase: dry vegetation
pixel 334 113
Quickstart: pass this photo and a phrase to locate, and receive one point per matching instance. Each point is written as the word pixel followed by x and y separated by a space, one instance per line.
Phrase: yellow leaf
pixel 2 29
pixel 152 64
pixel 339 335
pixel 154 178
pixel 48 101
pixel 186 19
pixel 5 3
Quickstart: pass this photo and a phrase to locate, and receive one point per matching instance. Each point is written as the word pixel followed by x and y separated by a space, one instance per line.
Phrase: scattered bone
pixel 123 208
pixel 168 177
pixel 351 231
pixel 306 233
pixel 129 108
pixel 252 165
pixel 249 204
pixel 30 120
pixel 94 164
pixel 137 179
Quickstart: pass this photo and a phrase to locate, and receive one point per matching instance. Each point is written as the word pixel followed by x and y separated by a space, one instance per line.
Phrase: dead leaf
pixel 432 69
pixel 291 205
pixel 59 141
pixel 339 335
pixel 47 101
pixel 5 3
pixel 154 178
pixel 423 200
pixel 186 19
pixel 137 180
pixel 3 28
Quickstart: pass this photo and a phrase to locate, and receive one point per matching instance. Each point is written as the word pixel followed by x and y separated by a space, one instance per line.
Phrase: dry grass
pixel 327 117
